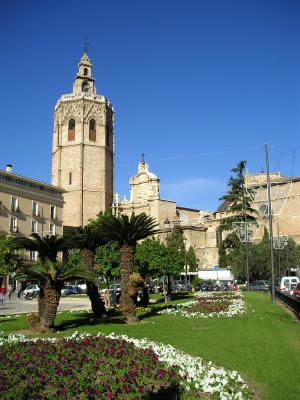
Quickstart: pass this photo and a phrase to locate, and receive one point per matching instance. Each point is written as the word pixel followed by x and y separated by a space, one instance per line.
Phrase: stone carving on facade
pixel 117 198
pixel 125 201
pixel 144 186
pixel 96 111
pixel 71 110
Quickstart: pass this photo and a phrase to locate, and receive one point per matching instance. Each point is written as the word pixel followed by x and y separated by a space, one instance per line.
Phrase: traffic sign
pixel 280 242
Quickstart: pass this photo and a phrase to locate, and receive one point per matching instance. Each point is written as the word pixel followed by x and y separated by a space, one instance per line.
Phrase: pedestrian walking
pixel 10 290
pixel 2 293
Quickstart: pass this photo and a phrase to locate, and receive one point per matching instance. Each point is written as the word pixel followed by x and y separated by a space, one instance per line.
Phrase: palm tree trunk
pixel 52 297
pixel 41 302
pixel 98 306
pixel 127 305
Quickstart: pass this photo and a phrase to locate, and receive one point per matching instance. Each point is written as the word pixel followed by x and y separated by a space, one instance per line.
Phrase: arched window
pixel 85 87
pixel 92 130
pixel 71 130
pixel 85 71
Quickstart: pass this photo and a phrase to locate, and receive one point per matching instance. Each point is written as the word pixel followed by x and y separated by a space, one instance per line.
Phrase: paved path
pixel 19 306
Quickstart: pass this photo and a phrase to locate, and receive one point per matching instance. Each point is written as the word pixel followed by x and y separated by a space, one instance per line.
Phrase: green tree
pixel 107 261
pixel 75 258
pixel 94 223
pixel 287 258
pixel 9 259
pixel 176 246
pixel 238 209
pixel 175 240
pixel 127 232
pixel 153 258
pixel 191 259
pixel 47 248
pixel 258 256
pixel 87 239
pixel 51 277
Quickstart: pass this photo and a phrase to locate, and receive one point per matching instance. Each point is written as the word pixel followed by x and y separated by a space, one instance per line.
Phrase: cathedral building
pixel 83 148
pixel 199 227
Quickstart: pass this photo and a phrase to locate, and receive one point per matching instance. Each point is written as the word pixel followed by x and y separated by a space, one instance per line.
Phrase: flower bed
pixel 89 368
pixel 110 367
pixel 210 305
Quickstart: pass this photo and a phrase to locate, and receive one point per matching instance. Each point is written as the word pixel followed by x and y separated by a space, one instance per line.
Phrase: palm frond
pixel 83 238
pixel 47 246
pixel 125 230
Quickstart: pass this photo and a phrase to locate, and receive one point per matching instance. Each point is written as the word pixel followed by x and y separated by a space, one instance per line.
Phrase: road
pixel 19 306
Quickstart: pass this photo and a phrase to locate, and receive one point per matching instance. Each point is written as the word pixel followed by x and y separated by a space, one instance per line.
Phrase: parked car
pixel 178 286
pixel 70 289
pixel 230 287
pixel 297 291
pixel 207 287
pixel 116 287
pixel 30 291
pixel 259 285
pixel 82 286
pixel 291 288
pixel 286 282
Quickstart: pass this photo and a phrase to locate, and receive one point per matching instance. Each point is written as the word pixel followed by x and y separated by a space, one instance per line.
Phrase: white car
pixel 82 286
pixel 288 283
pixel 30 290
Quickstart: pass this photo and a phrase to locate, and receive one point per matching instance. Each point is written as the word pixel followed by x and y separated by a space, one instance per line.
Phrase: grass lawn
pixel 263 345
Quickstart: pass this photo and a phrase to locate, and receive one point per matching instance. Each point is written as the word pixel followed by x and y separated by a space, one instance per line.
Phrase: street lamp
pixel 185 264
pixel 167 225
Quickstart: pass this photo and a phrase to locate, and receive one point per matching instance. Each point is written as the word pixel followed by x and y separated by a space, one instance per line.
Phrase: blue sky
pixel 196 85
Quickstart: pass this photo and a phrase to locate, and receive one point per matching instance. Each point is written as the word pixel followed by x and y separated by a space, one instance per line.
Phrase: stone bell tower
pixel 83 149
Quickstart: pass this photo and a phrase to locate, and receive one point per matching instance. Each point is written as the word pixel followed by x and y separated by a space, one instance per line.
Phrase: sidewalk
pixel 20 306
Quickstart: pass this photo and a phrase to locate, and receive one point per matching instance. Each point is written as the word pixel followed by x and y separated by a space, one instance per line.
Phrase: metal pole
pixel 247 256
pixel 185 265
pixel 270 224
pixel 279 266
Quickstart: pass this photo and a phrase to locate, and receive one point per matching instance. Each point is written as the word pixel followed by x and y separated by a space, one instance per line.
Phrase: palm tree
pixel 87 239
pixel 52 276
pixel 126 232
pixel 47 248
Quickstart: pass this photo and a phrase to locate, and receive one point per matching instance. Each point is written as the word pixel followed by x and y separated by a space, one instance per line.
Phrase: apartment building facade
pixel 28 206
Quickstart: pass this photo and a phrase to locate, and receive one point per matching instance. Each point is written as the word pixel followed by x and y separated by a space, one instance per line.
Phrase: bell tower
pixel 83 148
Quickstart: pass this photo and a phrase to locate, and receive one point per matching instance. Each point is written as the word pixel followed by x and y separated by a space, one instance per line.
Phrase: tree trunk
pixel 97 303
pixel 169 289
pixel 52 297
pixel 41 301
pixel 98 306
pixel 127 305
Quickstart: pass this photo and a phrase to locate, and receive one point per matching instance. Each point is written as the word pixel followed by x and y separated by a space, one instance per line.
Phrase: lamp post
pixel 167 225
pixel 185 265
